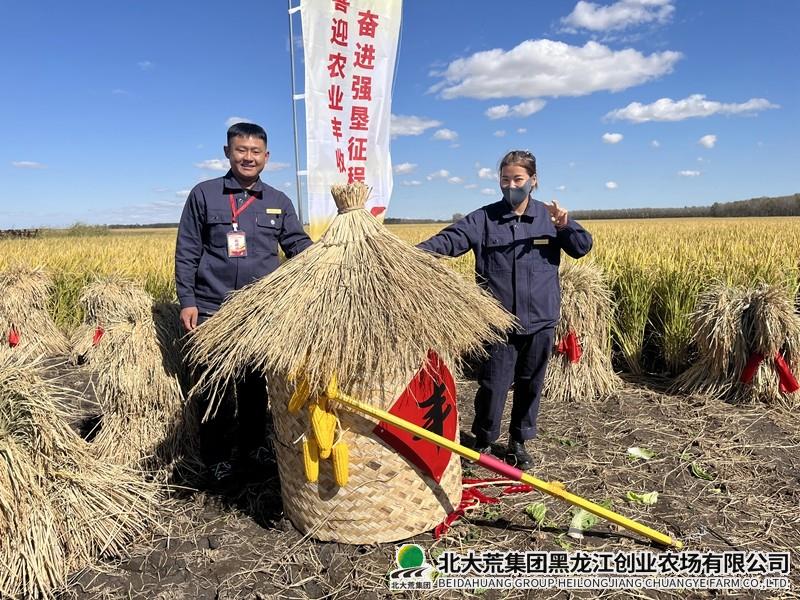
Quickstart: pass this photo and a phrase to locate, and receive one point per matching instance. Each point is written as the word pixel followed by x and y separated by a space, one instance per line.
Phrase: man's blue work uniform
pixel 516 260
pixel 205 275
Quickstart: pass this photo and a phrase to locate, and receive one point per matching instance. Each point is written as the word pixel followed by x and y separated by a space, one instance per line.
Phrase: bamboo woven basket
pixel 386 499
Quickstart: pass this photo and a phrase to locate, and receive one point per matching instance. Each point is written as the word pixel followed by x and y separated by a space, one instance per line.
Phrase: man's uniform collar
pixel 231 184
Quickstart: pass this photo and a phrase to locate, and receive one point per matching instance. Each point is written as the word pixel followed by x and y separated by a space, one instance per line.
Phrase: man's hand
pixel 558 215
pixel 189 318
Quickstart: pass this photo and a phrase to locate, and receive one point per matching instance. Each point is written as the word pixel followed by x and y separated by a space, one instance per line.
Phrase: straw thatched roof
pixel 60 508
pixel 360 302
pixel 26 327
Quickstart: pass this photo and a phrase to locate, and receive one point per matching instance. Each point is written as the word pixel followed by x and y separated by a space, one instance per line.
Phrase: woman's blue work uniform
pixel 516 260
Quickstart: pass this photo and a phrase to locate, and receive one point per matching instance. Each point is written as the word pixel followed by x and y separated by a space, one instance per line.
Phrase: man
pixel 228 237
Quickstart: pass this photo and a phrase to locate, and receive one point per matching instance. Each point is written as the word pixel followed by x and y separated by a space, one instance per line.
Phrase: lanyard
pixel 235 212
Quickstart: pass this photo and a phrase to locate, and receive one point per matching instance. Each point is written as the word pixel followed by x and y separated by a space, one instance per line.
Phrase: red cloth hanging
pixel 571 346
pixel 788 383
pixel 98 335
pixel 13 337
pixel 751 367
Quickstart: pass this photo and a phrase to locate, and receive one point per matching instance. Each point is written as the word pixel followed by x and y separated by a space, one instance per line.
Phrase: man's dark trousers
pixel 240 419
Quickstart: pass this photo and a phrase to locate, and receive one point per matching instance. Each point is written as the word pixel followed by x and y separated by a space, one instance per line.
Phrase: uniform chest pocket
pixel 543 253
pixel 268 229
pixel 499 252
pixel 219 224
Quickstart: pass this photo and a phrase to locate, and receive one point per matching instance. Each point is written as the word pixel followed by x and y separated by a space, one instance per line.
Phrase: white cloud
pixel 561 188
pixel 445 134
pixel 611 185
pixel 537 68
pixel 119 92
pixel 214 164
pixel 27 164
pixel 160 190
pixel 145 65
pixel 620 15
pixel 708 141
pixel 411 182
pixel 523 109
pixel 689 173
pixel 500 133
pixel 470 186
pixel 612 138
pixel 696 105
pixel 404 168
pixel 275 166
pixel 182 193
pixel 489 192
pixel 486 173
pixel 440 174
pixel 522 130
pixel 233 120
pixel 411 125
pixel 655 144
pixel 455 180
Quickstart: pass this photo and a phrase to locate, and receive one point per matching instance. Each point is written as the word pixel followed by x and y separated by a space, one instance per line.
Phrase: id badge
pixel 237 244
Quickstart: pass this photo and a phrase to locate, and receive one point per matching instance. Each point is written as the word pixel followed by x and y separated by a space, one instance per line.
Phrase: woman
pixel 517 243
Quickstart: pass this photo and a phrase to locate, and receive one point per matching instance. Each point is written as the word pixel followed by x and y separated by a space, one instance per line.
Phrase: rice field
pixel 655 267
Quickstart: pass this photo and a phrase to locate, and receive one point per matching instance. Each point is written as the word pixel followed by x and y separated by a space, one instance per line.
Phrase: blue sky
pixel 111 111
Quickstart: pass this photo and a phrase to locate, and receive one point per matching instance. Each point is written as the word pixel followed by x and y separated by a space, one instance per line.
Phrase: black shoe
pixel 517 456
pixel 481 446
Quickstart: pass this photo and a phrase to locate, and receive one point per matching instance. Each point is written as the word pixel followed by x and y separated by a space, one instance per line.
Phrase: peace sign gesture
pixel 558 215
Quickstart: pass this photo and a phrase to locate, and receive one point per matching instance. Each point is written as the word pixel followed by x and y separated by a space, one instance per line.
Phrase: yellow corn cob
pixel 323 424
pixel 299 396
pixel 311 459
pixel 341 467
pixel 332 390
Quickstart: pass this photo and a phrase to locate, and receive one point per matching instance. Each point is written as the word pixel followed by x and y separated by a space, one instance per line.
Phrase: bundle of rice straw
pixel 26 328
pixel 748 346
pixel 60 507
pixel 580 368
pixel 367 307
pixel 134 349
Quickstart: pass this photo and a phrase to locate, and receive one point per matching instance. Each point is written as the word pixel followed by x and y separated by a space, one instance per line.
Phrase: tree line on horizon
pixel 774 206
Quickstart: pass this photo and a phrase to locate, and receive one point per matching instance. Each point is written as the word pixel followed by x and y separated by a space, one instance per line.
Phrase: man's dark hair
pixel 247 130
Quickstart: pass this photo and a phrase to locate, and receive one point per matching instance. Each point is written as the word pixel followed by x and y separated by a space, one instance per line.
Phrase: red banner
pixel 428 401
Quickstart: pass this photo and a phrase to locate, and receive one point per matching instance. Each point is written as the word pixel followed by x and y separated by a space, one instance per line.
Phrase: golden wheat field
pixel 655 268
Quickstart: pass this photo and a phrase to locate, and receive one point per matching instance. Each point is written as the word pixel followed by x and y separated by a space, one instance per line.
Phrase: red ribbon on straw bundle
pixel 786 379
pixel 13 337
pixel 571 346
pixel 788 383
pixel 472 496
pixel 98 335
